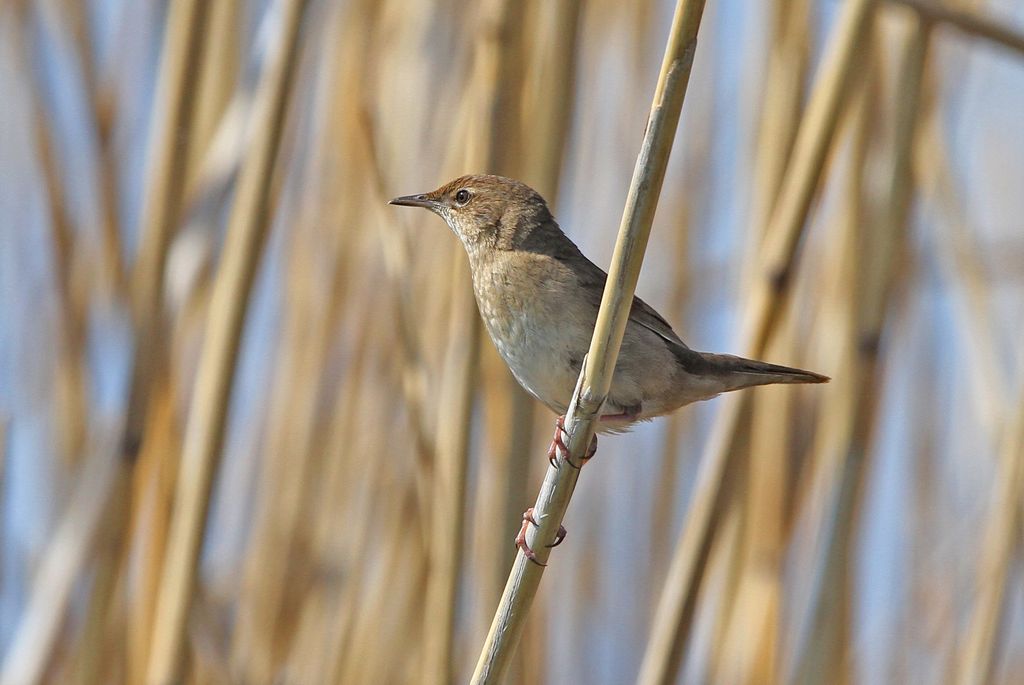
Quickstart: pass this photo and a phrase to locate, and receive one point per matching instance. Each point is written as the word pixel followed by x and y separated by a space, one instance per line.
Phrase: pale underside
pixel 543 332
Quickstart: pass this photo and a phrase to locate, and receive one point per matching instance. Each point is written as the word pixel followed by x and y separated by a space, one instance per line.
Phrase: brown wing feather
pixel 592 278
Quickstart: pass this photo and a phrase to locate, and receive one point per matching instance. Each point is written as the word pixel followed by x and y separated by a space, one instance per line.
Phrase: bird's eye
pixel 462 197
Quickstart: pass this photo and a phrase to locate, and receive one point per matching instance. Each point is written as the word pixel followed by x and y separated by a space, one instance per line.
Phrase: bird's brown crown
pixel 485 211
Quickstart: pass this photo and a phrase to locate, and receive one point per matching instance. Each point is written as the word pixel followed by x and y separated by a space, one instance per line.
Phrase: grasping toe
pixel 558 447
pixel 521 543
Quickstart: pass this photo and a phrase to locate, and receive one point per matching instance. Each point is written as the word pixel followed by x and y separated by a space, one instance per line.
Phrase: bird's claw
pixel 521 543
pixel 559 536
pixel 558 447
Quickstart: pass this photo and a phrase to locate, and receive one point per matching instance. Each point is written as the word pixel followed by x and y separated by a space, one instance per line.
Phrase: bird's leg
pixel 521 537
pixel 628 415
pixel 558 445
pixel 557 442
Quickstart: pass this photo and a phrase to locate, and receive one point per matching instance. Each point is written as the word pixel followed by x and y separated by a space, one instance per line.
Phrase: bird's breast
pixel 523 323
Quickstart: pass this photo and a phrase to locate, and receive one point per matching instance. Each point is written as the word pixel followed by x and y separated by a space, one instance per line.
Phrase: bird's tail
pixel 738 372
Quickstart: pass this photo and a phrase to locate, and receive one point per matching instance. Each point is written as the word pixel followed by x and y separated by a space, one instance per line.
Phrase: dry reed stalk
pixel 595 378
pixel 383 565
pixel 215 83
pixel 345 477
pixel 321 260
pixel 37 634
pixel 71 380
pixel 672 622
pixel 270 557
pixel 170 139
pixel 367 662
pixel 748 648
pixel 665 495
pixel 819 658
pixel 35 638
pixel 102 632
pixel 411 353
pixel 723 590
pixel 547 46
pixel 960 254
pixel 749 651
pixel 552 54
pixel 208 665
pixel 447 272
pixel 960 258
pixel 547 99
pixel 818 483
pixel 967 21
pixel 318 260
pixel 348 553
pixel 719 599
pixel 928 618
pixel 448 479
pixel 398 263
pixel 152 499
pixel 402 586
pixel 447 519
pixel 343 555
pixel 371 627
pixel 154 480
pixel 494 55
pixel 70 410
pixel 782 98
pixel 169 144
pixel 69 16
pixel 103 106
pixel 1000 543
pixel 205 426
pixel 327 610
pixel 800 181
pixel 689 211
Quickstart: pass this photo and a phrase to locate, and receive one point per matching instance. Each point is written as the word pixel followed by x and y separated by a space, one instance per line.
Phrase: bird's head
pixel 485 212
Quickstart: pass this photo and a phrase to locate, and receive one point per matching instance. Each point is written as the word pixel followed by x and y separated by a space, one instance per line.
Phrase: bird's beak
pixel 414 201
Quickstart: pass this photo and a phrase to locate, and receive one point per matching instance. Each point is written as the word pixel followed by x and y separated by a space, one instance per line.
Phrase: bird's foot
pixel 628 415
pixel 558 447
pixel 591 451
pixel 521 543
pixel 558 442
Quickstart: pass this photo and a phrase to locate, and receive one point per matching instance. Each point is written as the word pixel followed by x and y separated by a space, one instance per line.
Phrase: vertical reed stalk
pixel 205 427
pixel 673 619
pixel 595 378
pixel 819 657
pixel 165 184
pixel 35 638
pixel 548 47
pixel 491 63
pixel 751 648
pixel 1001 540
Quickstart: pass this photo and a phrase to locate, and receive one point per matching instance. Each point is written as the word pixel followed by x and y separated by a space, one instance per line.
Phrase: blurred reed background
pixel 250 431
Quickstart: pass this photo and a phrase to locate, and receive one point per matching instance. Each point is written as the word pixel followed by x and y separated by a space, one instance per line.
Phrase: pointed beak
pixel 414 201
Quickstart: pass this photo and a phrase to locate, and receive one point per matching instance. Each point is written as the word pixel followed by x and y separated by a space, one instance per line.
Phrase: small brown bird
pixel 539 295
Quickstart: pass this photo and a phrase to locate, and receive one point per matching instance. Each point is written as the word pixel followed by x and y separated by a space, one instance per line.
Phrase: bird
pixel 539 295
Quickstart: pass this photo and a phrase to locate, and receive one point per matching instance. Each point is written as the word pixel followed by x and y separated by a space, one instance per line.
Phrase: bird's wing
pixel 645 315
pixel 592 278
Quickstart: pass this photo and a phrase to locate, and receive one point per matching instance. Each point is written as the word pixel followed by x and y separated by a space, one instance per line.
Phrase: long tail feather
pixel 746 373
